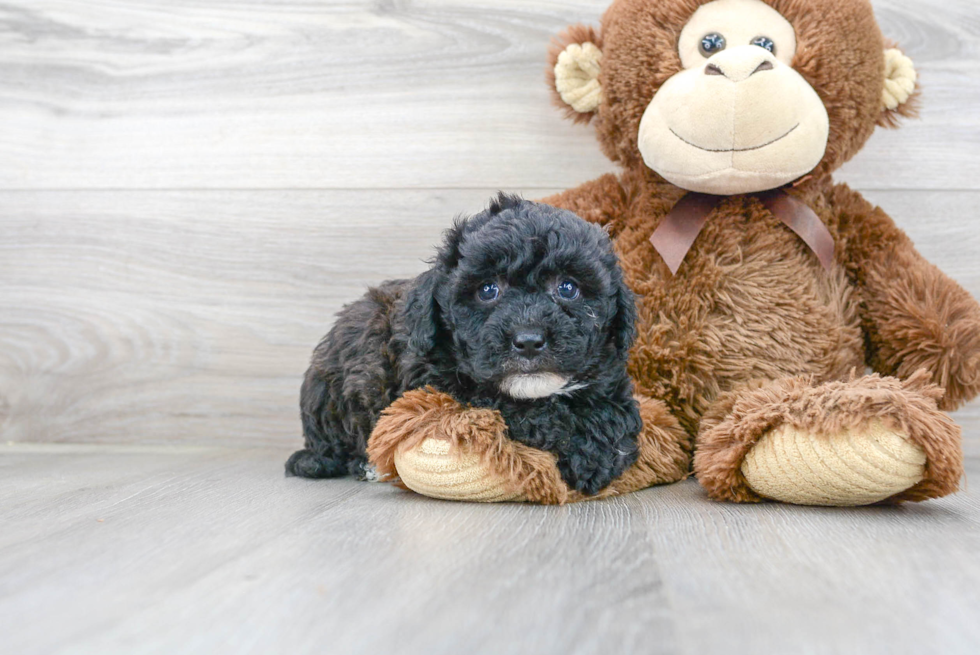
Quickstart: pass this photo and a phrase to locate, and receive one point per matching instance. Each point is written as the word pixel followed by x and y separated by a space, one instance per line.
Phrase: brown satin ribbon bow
pixel 676 234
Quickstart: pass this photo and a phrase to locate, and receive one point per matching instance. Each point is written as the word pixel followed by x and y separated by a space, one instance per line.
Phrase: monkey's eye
pixel 712 43
pixel 567 290
pixel 488 292
pixel 764 42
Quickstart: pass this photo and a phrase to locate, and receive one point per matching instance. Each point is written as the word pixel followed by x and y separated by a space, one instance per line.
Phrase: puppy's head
pixel 527 298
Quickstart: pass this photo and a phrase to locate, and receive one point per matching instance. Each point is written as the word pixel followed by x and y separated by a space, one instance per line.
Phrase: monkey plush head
pixel 733 96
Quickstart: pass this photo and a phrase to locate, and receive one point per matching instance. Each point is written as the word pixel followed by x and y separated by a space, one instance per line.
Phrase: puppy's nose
pixel 529 343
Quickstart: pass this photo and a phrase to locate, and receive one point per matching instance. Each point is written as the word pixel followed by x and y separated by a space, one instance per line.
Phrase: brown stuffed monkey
pixel 764 290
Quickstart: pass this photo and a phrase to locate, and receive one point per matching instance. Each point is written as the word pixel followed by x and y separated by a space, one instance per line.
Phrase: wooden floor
pixel 211 550
pixel 190 189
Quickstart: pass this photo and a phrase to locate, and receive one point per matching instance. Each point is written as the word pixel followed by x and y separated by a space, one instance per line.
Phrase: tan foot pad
pixel 854 467
pixel 433 469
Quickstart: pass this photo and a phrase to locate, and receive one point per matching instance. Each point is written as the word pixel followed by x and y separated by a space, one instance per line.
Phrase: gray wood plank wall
pixel 190 189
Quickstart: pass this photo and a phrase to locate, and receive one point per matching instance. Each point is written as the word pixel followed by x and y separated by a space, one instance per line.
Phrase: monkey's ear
pixel 900 97
pixel 574 63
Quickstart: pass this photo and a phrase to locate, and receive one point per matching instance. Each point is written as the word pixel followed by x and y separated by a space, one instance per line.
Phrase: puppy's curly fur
pixel 524 311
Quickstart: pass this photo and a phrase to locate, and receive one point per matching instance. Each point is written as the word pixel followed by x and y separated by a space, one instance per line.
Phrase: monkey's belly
pixel 760 317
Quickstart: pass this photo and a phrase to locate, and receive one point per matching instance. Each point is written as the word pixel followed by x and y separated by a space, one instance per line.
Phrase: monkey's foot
pixel 860 442
pixel 427 442
pixel 855 466
pixel 435 468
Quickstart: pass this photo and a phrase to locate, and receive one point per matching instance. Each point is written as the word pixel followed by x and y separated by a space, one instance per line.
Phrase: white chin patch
pixel 537 385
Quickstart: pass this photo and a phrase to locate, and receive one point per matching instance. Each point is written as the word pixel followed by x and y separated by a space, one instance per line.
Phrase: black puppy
pixel 524 311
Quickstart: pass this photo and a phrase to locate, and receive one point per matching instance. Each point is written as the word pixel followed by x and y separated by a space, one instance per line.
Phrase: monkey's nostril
pixel 764 66
pixel 712 69
pixel 529 344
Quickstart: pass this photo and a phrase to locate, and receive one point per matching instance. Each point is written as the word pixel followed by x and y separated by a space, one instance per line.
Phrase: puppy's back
pixel 352 376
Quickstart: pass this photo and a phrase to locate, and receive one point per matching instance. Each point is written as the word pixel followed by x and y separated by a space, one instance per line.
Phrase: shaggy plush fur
pixel 752 330
pixel 743 416
pixel 524 312
pixel 750 303
pixel 664 448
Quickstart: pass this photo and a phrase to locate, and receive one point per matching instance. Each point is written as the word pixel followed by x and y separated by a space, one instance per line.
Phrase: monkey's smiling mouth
pixel 764 145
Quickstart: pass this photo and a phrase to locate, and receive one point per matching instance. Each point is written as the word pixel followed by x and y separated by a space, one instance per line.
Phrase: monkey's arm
pixel 462 453
pixel 602 201
pixel 914 316
pixel 430 443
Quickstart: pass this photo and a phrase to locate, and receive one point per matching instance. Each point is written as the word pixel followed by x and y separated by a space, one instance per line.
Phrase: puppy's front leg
pixel 600 446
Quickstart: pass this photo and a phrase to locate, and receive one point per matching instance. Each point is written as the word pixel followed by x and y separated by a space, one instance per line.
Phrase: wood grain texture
pixel 139 317
pixel 190 189
pixel 372 94
pixel 186 316
pixel 135 550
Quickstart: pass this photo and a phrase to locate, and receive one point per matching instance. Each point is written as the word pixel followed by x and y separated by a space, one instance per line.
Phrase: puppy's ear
pixel 422 311
pixel 624 323
pixel 504 201
pixel 448 256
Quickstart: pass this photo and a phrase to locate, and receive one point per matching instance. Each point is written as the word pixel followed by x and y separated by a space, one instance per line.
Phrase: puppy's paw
pixel 589 471
pixel 307 464
pixel 587 480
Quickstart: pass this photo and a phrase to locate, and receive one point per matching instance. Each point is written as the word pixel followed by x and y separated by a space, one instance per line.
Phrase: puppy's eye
pixel 764 42
pixel 488 292
pixel 567 290
pixel 711 44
